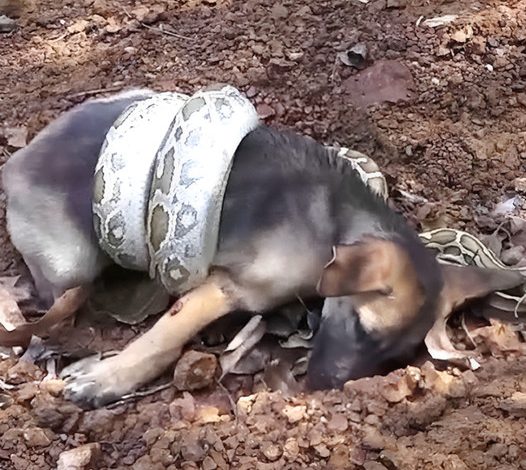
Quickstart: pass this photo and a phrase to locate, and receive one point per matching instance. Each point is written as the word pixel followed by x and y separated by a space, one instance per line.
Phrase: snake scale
pixel 149 214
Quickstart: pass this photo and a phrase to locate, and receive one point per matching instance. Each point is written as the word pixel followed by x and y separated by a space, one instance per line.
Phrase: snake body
pixel 161 177
pixel 160 180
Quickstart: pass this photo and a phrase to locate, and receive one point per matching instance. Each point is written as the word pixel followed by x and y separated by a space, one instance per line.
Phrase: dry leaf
pixel 249 335
pixel 498 338
pixel 64 307
pixel 10 314
pixel 439 21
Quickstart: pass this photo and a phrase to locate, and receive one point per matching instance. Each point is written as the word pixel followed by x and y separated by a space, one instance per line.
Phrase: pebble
pixel 265 111
pixel 338 423
pixel 79 458
pixel 6 24
pixel 294 413
pixel 271 451
pixel 195 370
pixel 36 437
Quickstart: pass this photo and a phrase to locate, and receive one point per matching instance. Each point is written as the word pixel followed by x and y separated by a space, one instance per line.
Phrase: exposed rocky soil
pixel 450 134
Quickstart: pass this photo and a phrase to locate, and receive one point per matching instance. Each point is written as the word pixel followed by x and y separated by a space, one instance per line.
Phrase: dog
pixel 296 221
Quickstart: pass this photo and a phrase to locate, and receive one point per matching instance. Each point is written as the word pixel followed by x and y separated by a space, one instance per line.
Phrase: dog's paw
pixel 93 383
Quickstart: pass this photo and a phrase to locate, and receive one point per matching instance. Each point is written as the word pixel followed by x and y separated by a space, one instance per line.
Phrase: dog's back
pixel 49 189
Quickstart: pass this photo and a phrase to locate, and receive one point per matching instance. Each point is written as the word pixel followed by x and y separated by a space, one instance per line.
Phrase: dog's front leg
pixel 94 383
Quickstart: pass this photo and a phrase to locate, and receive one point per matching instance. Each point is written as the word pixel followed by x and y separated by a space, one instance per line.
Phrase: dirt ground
pixel 453 146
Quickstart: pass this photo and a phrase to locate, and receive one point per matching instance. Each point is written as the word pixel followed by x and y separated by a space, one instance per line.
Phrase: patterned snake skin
pixel 160 181
pixel 159 188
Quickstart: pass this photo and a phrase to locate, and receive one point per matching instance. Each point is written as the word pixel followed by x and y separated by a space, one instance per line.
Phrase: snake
pixel 451 246
pixel 161 176
pixel 160 180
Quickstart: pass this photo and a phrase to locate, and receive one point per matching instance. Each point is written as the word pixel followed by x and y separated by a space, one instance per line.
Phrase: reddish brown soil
pixel 458 140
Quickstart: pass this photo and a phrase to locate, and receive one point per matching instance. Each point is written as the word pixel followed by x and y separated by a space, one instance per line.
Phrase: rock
pixel 339 458
pixel 291 448
pixel 322 451
pixel 79 458
pixel 515 405
pixel 373 439
pixel 395 3
pixel 294 413
pixel 208 414
pixel 16 136
pixel 279 11
pixel 338 423
pixel 265 111
pixel 53 386
pixel 208 463
pixel 462 35
pixel 192 447
pixel 195 370
pixel 36 437
pixel 372 465
pixel 271 451
pixel 6 24
pixel 442 382
pixel 183 408
pixel 400 384
pixel 27 391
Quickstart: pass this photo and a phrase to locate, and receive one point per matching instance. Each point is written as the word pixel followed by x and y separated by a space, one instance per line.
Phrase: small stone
pixel 373 439
pixel 372 465
pixel 27 391
pixel 16 136
pixel 338 423
pixel 521 99
pixel 251 92
pixel 52 386
pixel 208 463
pixel 265 111
pixel 322 451
pixel 291 449
pixel 6 24
pixel 400 384
pixel 195 370
pixel 515 405
pixel 192 448
pixel 36 437
pixel 183 408
pixel 271 451
pixel 339 457
pixel 78 26
pixel 207 414
pixel 315 437
pixel 395 3
pixel 258 49
pixel 442 382
pixel 79 458
pixel 279 11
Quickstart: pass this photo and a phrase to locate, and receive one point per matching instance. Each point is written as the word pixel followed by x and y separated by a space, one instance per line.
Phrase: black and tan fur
pixel 296 221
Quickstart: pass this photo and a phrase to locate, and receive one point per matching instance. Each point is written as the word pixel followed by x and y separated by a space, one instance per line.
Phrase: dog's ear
pixel 365 266
pixel 463 283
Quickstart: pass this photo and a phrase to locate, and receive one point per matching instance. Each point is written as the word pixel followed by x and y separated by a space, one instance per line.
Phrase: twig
pixel 465 328
pixel 230 399
pixel 144 393
pixel 83 94
pixel 155 28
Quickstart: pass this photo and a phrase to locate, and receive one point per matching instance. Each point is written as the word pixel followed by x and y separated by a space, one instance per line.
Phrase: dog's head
pixel 382 297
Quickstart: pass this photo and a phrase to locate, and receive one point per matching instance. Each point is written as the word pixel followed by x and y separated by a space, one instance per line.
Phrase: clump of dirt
pixel 453 147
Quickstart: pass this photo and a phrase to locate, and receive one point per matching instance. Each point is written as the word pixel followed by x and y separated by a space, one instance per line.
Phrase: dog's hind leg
pixel 94 383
